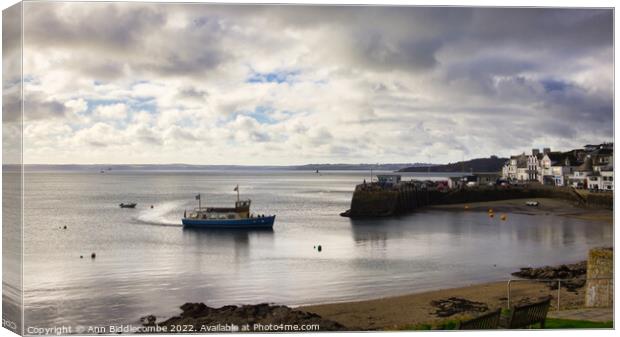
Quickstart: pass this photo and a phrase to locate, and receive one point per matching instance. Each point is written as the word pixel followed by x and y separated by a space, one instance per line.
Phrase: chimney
pixel 546 150
pixel 535 152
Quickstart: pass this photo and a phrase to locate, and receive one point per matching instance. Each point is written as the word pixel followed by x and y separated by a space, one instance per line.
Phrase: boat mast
pixel 237 189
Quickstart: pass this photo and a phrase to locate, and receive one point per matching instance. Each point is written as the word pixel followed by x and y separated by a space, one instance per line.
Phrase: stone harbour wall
pixel 600 273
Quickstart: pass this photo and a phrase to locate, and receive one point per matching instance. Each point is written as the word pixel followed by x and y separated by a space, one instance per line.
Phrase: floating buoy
pixel 490 210
pixel 93 255
pixel 491 215
pixel 319 248
pixel 466 206
pixel 64 227
pixel 504 217
pixel 151 206
pixel 81 257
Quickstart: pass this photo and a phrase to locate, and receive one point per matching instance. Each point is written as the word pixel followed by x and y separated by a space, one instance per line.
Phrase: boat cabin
pixel 240 211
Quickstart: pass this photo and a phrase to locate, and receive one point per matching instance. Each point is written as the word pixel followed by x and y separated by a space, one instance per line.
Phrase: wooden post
pixel 559 288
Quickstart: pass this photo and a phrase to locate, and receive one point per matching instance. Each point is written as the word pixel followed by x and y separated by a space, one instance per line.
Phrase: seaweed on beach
pixel 456 305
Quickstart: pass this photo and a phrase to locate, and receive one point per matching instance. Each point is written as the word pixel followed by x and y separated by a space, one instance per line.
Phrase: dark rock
pixel 148 320
pixel 199 314
pixel 456 305
pixel 572 275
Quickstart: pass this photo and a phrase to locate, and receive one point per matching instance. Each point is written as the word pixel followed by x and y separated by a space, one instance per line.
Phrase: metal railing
pixel 559 282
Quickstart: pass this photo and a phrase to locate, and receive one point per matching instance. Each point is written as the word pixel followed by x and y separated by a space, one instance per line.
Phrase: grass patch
pixel 444 325
pixel 557 323
pixel 550 323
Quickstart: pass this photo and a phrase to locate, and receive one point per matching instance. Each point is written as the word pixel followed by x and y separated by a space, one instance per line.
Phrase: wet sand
pixel 547 206
pixel 403 312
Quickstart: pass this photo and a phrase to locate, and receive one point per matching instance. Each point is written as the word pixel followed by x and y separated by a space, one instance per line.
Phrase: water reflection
pixel 238 241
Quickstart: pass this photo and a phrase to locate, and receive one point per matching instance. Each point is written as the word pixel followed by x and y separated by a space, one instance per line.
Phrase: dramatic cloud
pixel 222 84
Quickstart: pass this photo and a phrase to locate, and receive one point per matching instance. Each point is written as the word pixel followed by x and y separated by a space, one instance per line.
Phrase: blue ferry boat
pixel 227 217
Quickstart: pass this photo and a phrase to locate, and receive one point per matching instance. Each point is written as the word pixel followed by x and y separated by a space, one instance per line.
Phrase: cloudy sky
pixel 220 84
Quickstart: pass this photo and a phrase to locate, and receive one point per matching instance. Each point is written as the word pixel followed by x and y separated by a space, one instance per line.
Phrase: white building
pixel 579 179
pixel 516 168
pixel 557 167
pixel 607 179
pixel 601 158
pixel 533 164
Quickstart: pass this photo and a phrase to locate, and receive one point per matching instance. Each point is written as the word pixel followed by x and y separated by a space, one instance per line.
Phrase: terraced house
pixel 590 167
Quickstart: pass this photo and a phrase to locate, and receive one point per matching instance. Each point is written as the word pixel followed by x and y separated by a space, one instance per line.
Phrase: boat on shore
pixel 227 217
pixel 130 205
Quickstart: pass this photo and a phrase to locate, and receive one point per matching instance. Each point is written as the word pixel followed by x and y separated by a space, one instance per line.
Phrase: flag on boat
pixel 236 188
pixel 198 197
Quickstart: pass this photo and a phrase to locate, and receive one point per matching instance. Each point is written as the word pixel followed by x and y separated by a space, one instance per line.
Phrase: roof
pixel 560 158
pixel 521 160
pixel 602 152
pixel 586 166
pixel 601 146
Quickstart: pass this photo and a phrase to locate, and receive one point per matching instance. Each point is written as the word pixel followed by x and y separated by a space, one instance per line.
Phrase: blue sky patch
pixel 273 77
pixel 554 85
pixel 261 114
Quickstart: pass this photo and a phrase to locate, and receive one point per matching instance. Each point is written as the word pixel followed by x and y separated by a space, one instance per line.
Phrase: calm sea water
pixel 147 263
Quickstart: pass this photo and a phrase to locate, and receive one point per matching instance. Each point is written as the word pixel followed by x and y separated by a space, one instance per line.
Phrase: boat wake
pixel 163 214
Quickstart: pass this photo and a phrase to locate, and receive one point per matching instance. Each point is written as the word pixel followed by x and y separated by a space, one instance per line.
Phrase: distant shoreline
pixel 207 168
pixel 393 167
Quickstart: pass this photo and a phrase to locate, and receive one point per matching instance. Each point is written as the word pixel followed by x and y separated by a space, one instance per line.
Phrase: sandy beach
pixel 406 311
pixel 402 312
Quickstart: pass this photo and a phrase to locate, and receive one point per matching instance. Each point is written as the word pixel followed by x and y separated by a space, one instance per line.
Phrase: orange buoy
pixel 504 217
pixel 491 215
pixel 466 206
pixel 490 210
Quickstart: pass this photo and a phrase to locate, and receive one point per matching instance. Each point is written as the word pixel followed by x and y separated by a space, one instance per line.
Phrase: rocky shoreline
pixel 198 317
pixel 575 273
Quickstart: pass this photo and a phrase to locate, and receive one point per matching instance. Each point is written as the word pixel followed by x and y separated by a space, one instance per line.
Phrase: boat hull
pixel 263 222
